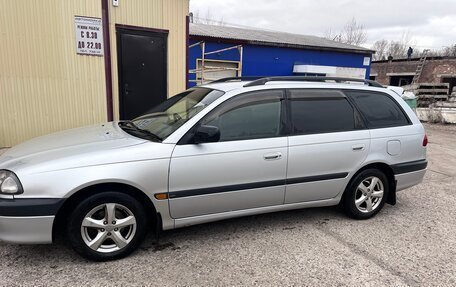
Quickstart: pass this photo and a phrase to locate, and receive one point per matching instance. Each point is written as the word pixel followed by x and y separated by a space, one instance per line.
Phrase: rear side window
pixel 379 110
pixel 320 111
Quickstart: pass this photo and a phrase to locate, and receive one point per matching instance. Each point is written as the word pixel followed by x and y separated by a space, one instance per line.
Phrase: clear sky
pixel 430 23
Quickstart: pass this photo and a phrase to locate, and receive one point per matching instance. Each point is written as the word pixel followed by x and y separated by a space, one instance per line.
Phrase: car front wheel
pixel 107 226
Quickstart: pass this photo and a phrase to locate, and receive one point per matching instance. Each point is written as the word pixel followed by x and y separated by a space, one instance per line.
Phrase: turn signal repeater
pixel 425 140
pixel 161 196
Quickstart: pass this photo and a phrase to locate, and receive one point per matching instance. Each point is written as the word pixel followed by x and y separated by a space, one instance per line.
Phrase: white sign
pixel 89 36
pixel 366 61
pixel 331 71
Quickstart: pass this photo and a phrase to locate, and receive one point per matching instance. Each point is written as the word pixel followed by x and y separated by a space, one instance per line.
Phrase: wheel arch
pixel 387 170
pixel 71 202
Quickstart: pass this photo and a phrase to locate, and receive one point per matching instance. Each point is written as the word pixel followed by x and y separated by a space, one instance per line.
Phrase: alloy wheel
pixel 369 194
pixel 108 227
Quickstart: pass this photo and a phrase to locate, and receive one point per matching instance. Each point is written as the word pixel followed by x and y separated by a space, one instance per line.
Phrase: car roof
pixel 239 85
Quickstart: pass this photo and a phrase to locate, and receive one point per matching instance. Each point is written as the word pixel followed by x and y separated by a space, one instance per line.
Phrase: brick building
pixel 400 72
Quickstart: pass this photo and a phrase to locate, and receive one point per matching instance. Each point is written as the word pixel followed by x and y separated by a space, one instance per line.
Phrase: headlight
pixel 9 183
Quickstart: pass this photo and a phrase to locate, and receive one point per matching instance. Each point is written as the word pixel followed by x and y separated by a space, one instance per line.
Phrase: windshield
pixel 161 121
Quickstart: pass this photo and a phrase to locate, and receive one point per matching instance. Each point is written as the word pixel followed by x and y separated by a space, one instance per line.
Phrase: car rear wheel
pixel 107 226
pixel 366 194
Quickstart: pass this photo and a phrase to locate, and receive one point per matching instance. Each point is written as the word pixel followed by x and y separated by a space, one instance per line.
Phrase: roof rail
pixel 263 81
pixel 229 79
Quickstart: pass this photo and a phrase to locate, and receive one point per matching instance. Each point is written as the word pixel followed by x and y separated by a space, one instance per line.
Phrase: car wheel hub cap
pixel 369 194
pixel 108 228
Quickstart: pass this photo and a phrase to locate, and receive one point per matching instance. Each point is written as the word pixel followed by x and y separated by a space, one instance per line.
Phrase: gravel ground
pixel 410 244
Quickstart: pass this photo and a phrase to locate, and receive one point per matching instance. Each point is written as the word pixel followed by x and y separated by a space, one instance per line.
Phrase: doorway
pixel 142 66
pixel 451 80
pixel 399 81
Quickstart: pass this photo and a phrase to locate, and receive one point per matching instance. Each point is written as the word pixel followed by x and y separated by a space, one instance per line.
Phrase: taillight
pixel 425 140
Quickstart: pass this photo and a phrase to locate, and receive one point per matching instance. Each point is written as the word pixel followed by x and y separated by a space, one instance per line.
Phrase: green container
pixel 411 103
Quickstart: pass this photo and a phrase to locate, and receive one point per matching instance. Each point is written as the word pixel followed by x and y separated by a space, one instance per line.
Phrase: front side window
pixel 163 120
pixel 250 116
pixel 379 109
pixel 320 111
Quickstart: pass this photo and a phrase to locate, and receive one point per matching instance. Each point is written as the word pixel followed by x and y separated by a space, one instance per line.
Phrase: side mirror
pixel 206 134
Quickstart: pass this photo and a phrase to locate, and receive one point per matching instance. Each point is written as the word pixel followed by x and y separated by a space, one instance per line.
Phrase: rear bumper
pixel 26 230
pixel 408 174
pixel 406 180
pixel 409 167
pixel 28 220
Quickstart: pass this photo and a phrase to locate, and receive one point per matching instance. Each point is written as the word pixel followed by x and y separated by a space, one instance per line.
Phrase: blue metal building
pixel 219 51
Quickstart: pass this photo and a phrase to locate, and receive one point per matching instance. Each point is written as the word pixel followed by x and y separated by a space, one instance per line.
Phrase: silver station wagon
pixel 231 148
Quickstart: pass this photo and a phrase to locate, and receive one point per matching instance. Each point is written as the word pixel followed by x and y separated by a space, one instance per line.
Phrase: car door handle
pixel 272 156
pixel 358 147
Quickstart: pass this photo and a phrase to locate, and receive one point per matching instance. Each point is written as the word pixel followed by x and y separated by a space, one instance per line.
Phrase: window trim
pixel 283 131
pixel 366 122
pixel 359 123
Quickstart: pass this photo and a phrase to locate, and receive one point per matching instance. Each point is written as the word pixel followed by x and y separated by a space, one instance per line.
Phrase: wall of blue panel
pixel 276 61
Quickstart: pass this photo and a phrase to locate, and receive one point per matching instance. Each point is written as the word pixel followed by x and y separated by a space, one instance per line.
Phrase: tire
pixel 365 202
pixel 94 238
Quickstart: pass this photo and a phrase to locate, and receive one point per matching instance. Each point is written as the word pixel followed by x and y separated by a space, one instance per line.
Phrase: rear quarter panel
pixel 411 144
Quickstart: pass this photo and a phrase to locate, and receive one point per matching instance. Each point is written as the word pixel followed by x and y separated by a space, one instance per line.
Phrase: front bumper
pixel 26 230
pixel 28 220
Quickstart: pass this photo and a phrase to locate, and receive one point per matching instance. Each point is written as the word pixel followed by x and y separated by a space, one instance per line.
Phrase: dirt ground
pixel 410 244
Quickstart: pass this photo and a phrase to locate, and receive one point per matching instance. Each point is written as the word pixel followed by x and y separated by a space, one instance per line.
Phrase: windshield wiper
pixel 131 125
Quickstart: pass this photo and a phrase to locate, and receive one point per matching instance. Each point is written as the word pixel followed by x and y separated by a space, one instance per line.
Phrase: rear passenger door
pixel 327 142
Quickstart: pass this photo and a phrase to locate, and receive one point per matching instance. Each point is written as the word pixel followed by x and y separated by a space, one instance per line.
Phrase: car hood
pixel 81 146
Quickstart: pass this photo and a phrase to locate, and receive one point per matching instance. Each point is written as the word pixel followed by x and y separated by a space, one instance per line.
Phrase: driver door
pixel 245 169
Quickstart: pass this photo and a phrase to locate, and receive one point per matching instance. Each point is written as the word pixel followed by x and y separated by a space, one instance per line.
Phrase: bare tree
pixel 381 48
pixel 352 33
pixel 449 51
pixel 207 19
pixel 331 35
pixel 396 49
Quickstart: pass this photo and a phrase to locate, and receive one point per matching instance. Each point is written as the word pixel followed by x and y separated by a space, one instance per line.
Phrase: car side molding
pixel 262 184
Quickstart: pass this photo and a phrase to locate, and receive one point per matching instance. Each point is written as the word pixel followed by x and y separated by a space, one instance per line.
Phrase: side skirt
pixel 188 221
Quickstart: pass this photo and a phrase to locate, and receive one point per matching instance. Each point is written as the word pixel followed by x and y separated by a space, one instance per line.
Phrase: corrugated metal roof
pixel 282 39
